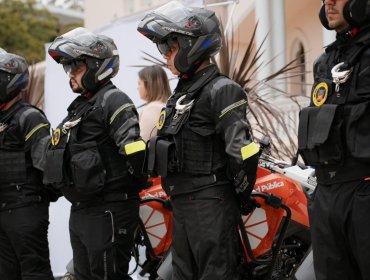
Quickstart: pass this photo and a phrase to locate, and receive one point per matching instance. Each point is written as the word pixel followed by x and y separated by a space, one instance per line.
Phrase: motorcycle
pixel 275 237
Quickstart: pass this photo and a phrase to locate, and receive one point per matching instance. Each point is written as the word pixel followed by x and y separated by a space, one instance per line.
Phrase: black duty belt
pixel 20 201
pixel 108 197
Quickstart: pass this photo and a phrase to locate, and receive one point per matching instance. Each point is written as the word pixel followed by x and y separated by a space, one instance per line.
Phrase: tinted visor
pixel 73 66
pixel 165 47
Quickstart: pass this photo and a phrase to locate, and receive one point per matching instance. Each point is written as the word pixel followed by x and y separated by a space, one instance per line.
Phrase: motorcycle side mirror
pixel 265 143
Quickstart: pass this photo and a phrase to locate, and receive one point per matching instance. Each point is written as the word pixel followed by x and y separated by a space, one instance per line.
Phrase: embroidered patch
pixel 320 94
pixel 56 137
pixel 161 119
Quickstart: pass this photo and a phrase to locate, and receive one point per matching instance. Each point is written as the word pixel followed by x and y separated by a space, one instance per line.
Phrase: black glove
pixel 244 183
pixel 246 177
pixel 247 205
pixel 136 165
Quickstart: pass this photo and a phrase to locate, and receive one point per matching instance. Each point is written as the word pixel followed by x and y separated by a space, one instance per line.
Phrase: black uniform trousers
pixel 102 238
pixel 24 248
pixel 340 230
pixel 205 238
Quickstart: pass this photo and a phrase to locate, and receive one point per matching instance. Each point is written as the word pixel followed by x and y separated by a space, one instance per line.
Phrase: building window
pixel 298 81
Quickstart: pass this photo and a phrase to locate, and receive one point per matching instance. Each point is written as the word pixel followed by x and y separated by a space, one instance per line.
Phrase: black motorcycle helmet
pixel 13 75
pixel 355 12
pixel 99 52
pixel 197 31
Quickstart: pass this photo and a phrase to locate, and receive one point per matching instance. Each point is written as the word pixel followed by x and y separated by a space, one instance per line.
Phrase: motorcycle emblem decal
pixel 161 119
pixel 56 137
pixel 320 94
pixel 269 186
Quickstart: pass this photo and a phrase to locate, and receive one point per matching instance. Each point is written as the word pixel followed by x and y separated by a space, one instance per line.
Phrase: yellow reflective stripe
pixel 119 110
pixel 28 136
pixel 232 107
pixel 249 150
pixel 134 147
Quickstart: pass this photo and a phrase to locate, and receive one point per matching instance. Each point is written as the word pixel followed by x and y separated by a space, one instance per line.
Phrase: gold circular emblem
pixel 56 137
pixel 320 94
pixel 161 119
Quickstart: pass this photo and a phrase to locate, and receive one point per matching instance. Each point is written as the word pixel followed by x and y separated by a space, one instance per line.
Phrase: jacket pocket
pixel 358 131
pixel 12 166
pixel 53 173
pixel 319 135
pixel 197 150
pixel 87 169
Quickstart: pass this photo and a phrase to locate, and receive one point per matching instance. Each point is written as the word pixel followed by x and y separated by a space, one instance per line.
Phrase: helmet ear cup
pixel 323 19
pixel 357 12
pixel 348 15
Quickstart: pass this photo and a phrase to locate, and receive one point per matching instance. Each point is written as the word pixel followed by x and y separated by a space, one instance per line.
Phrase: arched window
pixel 298 82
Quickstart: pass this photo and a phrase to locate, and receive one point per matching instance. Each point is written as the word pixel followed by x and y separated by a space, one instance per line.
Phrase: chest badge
pixel 56 137
pixel 161 120
pixel 320 94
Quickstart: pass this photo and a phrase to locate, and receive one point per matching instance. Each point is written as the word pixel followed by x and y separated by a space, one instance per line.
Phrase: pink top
pixel 148 119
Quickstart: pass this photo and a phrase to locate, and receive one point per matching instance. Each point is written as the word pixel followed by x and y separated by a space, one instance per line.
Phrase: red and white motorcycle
pixel 275 236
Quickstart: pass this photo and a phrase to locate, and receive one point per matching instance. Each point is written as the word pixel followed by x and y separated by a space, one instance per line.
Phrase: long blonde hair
pixel 156 83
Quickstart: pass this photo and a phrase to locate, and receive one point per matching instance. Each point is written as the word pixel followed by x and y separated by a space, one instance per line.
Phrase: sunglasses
pixel 167 46
pixel 73 66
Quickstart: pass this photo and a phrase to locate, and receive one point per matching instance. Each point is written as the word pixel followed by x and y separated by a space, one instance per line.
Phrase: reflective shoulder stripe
pixel 232 107
pixel 28 136
pixel 119 110
pixel 249 150
pixel 135 147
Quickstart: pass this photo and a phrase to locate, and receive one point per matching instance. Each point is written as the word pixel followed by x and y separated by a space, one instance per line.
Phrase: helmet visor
pixel 174 11
pixel 79 36
pixel 166 46
pixel 73 66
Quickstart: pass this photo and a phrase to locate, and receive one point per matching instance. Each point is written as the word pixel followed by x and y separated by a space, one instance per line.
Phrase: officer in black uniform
pixel 24 204
pixel 203 150
pixel 96 157
pixel 334 137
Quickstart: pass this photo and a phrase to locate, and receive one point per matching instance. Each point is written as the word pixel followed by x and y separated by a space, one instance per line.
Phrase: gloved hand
pixel 247 205
pixel 135 153
pixel 244 182
pixel 246 177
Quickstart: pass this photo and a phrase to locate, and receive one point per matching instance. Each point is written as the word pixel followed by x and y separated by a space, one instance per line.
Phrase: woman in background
pixel 154 89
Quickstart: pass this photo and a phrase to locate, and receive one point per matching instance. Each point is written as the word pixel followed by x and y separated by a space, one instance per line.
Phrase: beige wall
pixel 303 26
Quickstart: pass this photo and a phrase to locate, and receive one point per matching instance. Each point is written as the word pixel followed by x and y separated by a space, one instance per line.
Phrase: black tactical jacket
pixel 209 137
pixel 92 148
pixel 24 133
pixel 334 132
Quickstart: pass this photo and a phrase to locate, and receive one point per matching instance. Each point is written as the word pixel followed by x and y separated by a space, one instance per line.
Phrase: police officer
pixel 24 204
pixel 96 157
pixel 203 150
pixel 334 137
